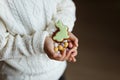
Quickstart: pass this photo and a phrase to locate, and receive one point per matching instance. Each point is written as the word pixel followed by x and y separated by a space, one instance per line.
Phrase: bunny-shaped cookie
pixel 62 32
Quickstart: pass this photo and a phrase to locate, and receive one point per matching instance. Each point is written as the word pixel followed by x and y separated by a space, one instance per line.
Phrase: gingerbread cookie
pixel 62 32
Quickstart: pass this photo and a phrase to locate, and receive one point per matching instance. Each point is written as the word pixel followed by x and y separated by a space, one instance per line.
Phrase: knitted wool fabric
pixel 24 24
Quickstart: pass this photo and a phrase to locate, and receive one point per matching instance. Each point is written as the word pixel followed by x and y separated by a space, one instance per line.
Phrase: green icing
pixel 62 33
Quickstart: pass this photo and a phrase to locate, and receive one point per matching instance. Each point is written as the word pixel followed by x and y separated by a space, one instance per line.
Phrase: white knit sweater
pixel 24 24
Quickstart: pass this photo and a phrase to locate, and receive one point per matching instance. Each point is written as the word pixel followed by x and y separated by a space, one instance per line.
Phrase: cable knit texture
pixel 24 24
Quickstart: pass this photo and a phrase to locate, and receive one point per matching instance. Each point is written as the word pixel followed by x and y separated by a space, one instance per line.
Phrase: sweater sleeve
pixel 16 46
pixel 66 13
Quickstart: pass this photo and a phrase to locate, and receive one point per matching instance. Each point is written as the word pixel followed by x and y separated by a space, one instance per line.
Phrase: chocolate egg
pixel 60 47
pixel 56 49
pixel 66 44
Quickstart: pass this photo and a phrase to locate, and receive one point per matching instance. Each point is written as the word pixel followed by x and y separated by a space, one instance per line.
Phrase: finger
pixel 67 56
pixel 70 45
pixel 55 56
pixel 76 42
pixel 72 50
pixel 74 53
pixel 63 55
pixel 74 39
pixel 74 59
pixel 70 59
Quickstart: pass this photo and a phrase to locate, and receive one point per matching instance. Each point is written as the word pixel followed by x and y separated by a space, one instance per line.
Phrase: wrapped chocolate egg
pixel 56 49
pixel 60 48
pixel 66 44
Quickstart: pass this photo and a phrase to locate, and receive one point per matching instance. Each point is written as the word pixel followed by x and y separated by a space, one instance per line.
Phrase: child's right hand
pixel 49 49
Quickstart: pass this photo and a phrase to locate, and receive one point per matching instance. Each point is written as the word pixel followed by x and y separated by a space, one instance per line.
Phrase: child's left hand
pixel 73 45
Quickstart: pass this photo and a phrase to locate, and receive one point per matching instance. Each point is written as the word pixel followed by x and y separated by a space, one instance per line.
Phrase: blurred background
pixel 97 28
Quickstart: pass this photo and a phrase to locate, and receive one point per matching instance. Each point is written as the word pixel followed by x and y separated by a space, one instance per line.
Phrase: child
pixel 26 48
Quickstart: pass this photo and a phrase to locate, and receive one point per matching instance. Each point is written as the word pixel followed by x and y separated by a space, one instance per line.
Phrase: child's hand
pixel 68 55
pixel 73 45
pixel 49 49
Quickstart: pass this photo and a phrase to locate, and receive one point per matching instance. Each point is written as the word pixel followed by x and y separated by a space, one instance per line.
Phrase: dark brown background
pixel 97 28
